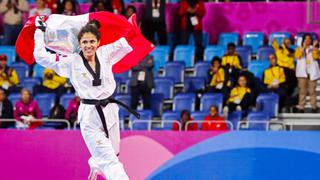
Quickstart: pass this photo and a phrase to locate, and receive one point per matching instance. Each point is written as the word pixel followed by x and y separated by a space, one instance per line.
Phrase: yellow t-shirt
pixel 9 78
pixel 56 80
pixel 233 60
pixel 285 58
pixel 237 94
pixel 217 78
pixel 274 75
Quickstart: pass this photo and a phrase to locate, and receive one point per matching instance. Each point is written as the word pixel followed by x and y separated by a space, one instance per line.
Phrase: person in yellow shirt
pixel 52 83
pixel 231 63
pixel 9 79
pixel 239 98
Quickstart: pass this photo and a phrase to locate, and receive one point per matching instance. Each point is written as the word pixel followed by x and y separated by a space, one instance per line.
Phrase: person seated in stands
pixel 218 81
pixel 231 62
pixel 52 83
pixel 285 59
pixel 26 111
pixel 213 121
pixel 239 98
pixel 98 5
pixel 68 7
pixel 40 9
pixel 6 109
pixel 184 118
pixel 72 110
pixel 130 10
pixel 115 6
pixel 8 76
pixel 274 79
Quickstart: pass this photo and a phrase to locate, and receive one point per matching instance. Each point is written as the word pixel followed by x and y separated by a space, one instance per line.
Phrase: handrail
pixel 301 122
pixel 206 121
pixel 41 120
pixel 149 122
pixel 266 122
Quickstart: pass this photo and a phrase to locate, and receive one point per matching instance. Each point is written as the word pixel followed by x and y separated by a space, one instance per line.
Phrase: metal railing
pixel 228 123
pixel 149 123
pixel 243 125
pixel 41 120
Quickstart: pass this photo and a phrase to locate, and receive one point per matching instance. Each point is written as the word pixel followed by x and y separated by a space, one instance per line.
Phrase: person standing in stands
pixel 184 118
pixel 72 110
pixel 192 12
pixel 26 111
pixel 6 109
pixel 12 10
pixel 8 76
pixel 68 7
pixel 116 6
pixel 213 121
pixel 307 72
pixel 40 9
pixel 154 21
pixel 98 5
pixel 142 82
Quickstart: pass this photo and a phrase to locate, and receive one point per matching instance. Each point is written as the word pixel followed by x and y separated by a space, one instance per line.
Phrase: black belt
pixel 103 103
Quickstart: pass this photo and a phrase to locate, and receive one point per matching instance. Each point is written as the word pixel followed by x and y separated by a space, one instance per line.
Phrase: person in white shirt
pixel 90 73
pixel 40 9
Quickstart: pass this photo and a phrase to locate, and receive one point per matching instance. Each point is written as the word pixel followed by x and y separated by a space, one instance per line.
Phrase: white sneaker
pixel 238 108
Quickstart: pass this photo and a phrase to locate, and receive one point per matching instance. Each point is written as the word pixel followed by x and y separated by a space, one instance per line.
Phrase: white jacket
pixel 301 67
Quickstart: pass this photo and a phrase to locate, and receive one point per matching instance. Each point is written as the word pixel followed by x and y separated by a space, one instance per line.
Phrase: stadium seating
pixel 279 36
pixel 185 53
pixel 175 70
pixel 226 38
pixel 201 70
pixel 205 39
pixel 10 52
pixel 171 115
pixel 38 71
pixel 254 119
pixel 123 76
pixel 126 99
pixel 213 50
pixel 209 99
pixel 65 99
pixel 45 102
pixel 118 84
pixel 157 103
pixel 264 52
pixel 14 98
pixel 143 122
pixel 268 103
pixel 299 35
pixel 244 53
pixel 29 83
pixel 253 39
pixel 192 84
pixel 164 86
pixel 199 115
pixel 161 56
pixel 258 67
pixel 22 70
pixel 234 117
pixel 184 101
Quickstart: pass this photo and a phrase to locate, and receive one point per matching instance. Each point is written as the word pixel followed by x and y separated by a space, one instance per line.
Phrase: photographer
pixel 12 10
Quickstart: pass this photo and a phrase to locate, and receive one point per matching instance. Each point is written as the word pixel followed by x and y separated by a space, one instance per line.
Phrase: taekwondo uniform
pixel 95 89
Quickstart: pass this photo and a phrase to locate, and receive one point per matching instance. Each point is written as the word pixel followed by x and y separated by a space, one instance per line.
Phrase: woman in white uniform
pixel 90 73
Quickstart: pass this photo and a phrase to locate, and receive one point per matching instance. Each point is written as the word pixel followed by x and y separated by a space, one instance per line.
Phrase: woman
pixel 26 111
pixel 90 73
pixel 68 7
pixel 184 118
pixel 72 110
pixel 307 72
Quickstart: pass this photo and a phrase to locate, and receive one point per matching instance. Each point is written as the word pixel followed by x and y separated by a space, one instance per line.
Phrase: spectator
pixel 116 6
pixel 72 110
pixel 40 9
pixel 307 71
pixel 8 76
pixel 53 5
pixel 68 7
pixel 239 98
pixel 231 63
pixel 6 109
pixel 192 12
pixel 26 111
pixel 212 117
pixel 98 5
pixel 12 10
pixel 184 118
pixel 142 82
pixel 52 83
pixel 130 10
pixel 154 21
pixel 218 81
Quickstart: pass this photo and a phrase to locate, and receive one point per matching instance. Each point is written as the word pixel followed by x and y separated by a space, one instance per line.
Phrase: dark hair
pixel 231 45
pixel 215 58
pixel 132 7
pixel 91 27
pixel 304 38
pixel 214 106
pixel 64 2
pixel 185 112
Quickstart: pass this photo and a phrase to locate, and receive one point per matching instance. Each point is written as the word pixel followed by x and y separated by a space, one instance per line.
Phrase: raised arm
pixel 61 65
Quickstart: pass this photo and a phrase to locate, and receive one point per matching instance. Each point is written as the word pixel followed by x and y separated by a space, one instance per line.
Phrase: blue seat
pixel 29 83
pixel 143 122
pixel 123 76
pixel 171 40
pixel 234 117
pixel 175 70
pixel 118 84
pixel 168 117
pixel 244 53
pixel 185 53
pixel 209 99
pixel 213 50
pixel 45 102
pixel 264 52
pixel 14 98
pixel 10 52
pixel 253 39
pixel 161 56
pixel 38 71
pixel 226 38
pixel 257 116
pixel 157 103
pixel 65 99
pixel 279 36
pixel 299 35
pixel 164 86
pixel 258 67
pixel 126 99
pixel 205 39
pixel 184 101
pixel 201 70
pixel 191 84
pixel 22 70
pixel 268 103
pixel 199 115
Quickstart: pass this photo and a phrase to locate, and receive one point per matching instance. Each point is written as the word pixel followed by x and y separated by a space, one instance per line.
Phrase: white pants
pixel 103 150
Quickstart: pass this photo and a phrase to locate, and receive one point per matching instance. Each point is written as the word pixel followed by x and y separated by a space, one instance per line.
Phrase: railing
pixel 149 124
pixel 245 125
pixel 42 120
pixel 228 123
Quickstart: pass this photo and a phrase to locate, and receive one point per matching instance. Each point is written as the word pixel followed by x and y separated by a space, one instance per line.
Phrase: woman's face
pixel 68 6
pixel 89 44
pixel 242 81
pixel 25 96
pixel 307 41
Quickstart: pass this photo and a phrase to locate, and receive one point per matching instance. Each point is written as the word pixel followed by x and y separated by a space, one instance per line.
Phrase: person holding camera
pixel 12 10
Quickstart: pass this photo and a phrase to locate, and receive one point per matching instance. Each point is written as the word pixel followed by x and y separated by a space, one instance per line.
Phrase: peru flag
pixel 112 28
